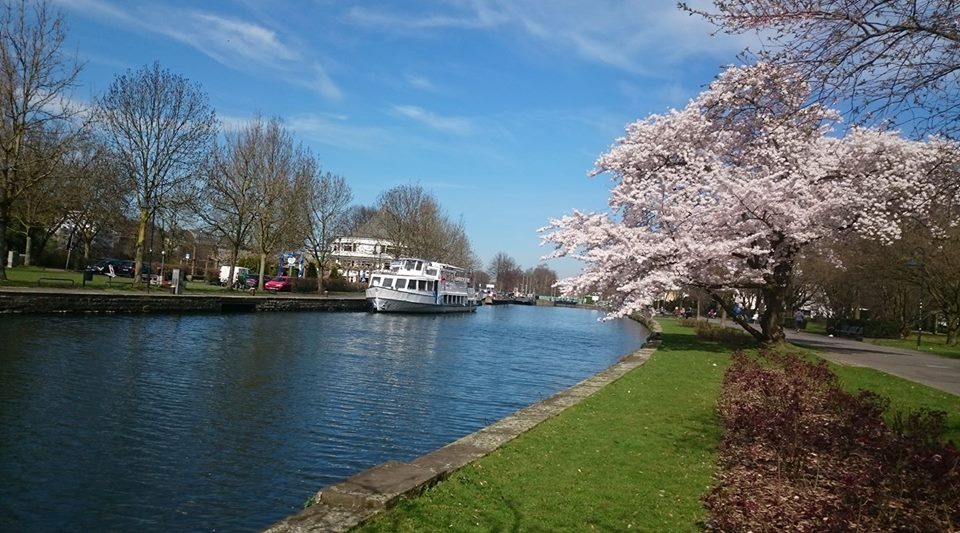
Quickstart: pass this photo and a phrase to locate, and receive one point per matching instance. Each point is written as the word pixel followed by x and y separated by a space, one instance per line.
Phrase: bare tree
pixel 327 203
pixel 541 279
pixel 412 219
pixel 35 76
pixel 159 127
pixel 96 196
pixel 357 218
pixel 226 204
pixel 505 271
pixel 897 60
pixel 280 180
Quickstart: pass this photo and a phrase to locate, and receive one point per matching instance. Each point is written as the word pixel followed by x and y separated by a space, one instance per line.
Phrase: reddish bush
pixel 801 454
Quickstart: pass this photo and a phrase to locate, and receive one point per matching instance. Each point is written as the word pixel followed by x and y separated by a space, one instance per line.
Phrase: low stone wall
pixel 654 327
pixel 27 301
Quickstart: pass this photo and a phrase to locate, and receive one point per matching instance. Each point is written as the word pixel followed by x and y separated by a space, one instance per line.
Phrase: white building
pixel 356 257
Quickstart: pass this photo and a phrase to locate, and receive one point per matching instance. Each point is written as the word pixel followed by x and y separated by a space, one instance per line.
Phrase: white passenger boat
pixel 419 286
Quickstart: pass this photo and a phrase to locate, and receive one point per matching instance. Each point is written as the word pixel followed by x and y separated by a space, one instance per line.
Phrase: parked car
pixel 279 284
pixel 254 278
pixel 128 268
pixel 103 266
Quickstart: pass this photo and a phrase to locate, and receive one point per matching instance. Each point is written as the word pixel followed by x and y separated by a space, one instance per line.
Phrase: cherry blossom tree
pixel 728 192
pixel 893 60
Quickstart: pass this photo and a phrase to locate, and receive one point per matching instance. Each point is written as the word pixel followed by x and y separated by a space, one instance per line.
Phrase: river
pixel 230 422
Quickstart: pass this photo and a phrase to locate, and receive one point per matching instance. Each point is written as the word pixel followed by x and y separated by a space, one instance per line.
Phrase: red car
pixel 279 284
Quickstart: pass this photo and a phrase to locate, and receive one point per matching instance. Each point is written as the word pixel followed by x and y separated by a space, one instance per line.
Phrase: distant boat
pixel 414 285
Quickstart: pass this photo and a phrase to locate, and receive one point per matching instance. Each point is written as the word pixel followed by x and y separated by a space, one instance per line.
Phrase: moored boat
pixel 414 285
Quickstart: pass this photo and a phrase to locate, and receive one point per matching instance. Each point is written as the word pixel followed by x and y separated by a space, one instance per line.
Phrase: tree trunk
pixel 234 254
pixel 4 217
pixel 27 247
pixel 141 239
pixel 263 266
pixel 771 321
pixel 319 277
pixel 739 319
pixel 953 325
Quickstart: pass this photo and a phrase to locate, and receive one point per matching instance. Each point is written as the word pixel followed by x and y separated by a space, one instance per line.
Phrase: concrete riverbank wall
pixel 37 301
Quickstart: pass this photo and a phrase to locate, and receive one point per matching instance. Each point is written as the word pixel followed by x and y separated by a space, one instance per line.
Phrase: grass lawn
pixel 637 455
pixel 53 277
pixel 929 343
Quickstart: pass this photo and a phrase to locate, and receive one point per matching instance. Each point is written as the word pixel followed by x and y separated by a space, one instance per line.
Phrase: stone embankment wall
pixel 88 302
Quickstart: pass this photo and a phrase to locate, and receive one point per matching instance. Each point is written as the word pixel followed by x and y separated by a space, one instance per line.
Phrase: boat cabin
pixel 417 275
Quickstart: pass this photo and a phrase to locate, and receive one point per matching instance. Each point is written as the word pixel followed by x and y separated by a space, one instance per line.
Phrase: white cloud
pixel 335 130
pixel 455 125
pixel 238 44
pixel 229 41
pixel 632 35
pixel 321 83
pixel 419 82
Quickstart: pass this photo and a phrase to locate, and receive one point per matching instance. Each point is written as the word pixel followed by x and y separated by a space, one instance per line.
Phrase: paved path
pixel 939 372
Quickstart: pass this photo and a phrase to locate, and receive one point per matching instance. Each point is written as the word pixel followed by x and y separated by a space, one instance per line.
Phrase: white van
pixel 225 274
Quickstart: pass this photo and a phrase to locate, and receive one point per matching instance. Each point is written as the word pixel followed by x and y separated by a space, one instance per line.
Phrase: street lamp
pixel 918 251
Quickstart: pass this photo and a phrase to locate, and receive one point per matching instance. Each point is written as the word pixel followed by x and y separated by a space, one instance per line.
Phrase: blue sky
pixel 498 108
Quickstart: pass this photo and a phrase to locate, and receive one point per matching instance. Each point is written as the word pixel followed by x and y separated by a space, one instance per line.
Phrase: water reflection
pixel 162 423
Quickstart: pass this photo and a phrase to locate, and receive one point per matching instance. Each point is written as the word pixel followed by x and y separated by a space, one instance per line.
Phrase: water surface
pixel 229 422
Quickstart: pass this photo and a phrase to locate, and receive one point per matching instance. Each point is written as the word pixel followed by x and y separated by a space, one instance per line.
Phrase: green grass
pixel 903 395
pixel 637 455
pixel 929 343
pixel 48 277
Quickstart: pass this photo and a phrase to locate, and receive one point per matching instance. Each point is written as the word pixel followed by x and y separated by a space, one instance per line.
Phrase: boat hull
pixel 392 301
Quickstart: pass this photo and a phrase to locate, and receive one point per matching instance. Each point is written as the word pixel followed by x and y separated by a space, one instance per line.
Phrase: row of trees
pixel 151 149
pixel 753 187
pixel 509 276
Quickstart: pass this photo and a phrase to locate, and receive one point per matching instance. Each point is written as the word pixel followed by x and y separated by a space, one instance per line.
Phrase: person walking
pixel 798 320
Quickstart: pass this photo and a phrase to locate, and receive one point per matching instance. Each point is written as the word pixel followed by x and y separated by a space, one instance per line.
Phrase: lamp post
pixel 920 275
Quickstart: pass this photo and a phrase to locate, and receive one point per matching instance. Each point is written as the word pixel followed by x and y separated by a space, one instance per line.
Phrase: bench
pixel 56 281
pixel 855 332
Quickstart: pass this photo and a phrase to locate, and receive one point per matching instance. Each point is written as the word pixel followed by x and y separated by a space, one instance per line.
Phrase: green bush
pixel 726 335
pixel 340 284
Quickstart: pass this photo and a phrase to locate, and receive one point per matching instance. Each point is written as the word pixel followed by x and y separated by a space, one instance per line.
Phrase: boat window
pixel 409 264
pixel 423 284
pixel 401 284
pixel 431 286
pixel 388 282
pixel 431 272
pixel 419 265
pixel 376 281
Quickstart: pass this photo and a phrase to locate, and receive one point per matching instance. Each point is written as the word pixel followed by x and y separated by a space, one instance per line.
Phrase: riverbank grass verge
pixel 638 455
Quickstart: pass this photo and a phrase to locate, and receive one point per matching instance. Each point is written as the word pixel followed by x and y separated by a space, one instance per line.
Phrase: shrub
pixel 801 454
pixel 303 285
pixel 726 335
pixel 340 284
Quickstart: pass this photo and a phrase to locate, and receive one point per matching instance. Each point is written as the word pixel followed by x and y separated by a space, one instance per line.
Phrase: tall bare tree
pixel 505 271
pixel 280 178
pixel 160 128
pixel 897 59
pixel 94 194
pixel 541 279
pixel 228 191
pixel 327 202
pixel 35 76
pixel 357 219
pixel 413 219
